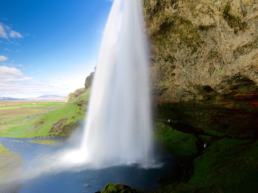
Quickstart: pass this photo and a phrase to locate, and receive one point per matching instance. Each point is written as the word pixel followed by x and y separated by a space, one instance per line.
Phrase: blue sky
pixel 48 46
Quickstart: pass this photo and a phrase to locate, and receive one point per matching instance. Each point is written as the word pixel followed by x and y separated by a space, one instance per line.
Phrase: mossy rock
pixel 118 188
pixel 228 166
pixel 176 142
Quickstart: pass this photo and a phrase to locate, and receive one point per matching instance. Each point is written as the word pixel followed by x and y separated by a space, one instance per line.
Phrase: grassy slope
pixel 226 166
pixel 17 117
pixel 176 142
pixel 28 120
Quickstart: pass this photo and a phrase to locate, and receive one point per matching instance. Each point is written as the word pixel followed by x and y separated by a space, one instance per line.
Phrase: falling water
pixel 118 124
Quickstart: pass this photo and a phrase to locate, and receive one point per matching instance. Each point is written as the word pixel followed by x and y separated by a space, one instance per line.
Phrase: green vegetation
pixel 176 142
pixel 42 119
pixel 55 121
pixel 117 188
pixel 17 117
pixel 225 166
pixel 80 96
pixel 229 166
pixel 25 105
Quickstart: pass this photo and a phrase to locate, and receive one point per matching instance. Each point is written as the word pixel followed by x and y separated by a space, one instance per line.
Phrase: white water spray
pixel 118 123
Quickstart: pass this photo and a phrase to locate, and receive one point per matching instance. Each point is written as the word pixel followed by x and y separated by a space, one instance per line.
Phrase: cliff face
pixel 205 76
pixel 203 49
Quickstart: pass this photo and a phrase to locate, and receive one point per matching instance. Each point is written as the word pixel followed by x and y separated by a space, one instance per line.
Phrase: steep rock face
pixel 203 48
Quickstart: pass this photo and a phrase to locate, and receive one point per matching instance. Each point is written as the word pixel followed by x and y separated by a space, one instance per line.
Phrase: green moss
pixel 118 188
pixel 226 166
pixel 110 188
pixel 176 142
pixel 229 166
pixel 234 22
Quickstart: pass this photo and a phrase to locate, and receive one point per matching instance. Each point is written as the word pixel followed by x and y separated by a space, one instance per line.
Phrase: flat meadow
pixel 18 118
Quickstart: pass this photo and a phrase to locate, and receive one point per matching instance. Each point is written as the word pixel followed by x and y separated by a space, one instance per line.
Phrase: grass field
pixel 29 119
pixel 16 118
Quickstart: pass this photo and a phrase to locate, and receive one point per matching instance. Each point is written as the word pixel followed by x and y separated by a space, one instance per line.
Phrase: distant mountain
pixel 40 98
pixel 11 99
pixel 50 98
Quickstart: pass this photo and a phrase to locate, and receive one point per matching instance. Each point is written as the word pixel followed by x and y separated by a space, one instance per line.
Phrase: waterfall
pixel 118 127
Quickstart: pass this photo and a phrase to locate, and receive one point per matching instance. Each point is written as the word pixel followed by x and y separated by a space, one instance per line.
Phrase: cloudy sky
pixel 48 46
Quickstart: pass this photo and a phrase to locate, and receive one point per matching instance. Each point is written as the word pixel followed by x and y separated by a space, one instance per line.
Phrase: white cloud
pixel 15 34
pixel 3 33
pixel 11 80
pixel 11 74
pixel 14 83
pixel 7 32
pixel 3 58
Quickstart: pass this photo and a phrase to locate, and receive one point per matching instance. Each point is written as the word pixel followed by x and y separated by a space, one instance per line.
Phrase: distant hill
pixel 40 98
pixel 11 99
pixel 50 98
